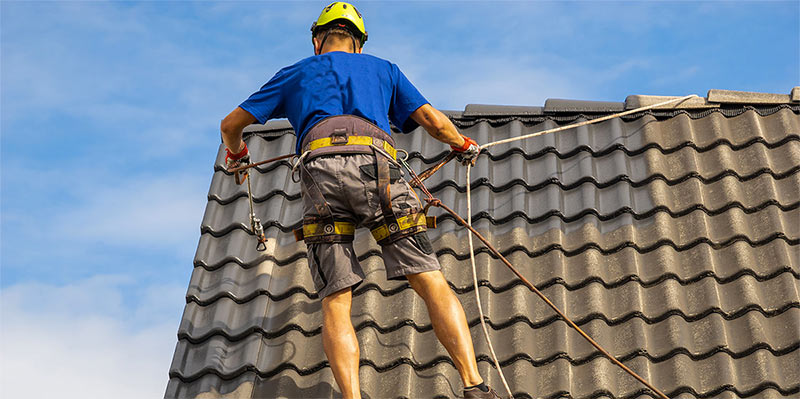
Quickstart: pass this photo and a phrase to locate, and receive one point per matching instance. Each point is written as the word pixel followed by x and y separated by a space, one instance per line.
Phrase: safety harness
pixel 347 134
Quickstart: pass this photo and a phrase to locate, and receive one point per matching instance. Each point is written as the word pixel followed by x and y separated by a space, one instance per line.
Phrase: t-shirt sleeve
pixel 268 102
pixel 405 100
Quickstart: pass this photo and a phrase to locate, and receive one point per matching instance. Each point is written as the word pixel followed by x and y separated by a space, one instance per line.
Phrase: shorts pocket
pixel 422 242
pixel 317 274
pixel 371 170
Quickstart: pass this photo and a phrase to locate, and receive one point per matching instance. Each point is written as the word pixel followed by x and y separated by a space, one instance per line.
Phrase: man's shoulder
pixel 365 58
pixel 302 62
pixel 342 60
pixel 377 60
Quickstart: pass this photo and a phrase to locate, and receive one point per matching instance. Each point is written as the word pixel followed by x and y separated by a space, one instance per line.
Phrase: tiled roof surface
pixel 671 236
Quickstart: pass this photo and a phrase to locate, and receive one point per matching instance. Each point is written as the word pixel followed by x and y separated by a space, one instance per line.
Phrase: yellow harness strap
pixel 319 229
pixel 351 140
pixel 405 222
pixel 348 229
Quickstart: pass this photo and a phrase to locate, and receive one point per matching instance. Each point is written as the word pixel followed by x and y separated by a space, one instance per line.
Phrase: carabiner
pixel 295 163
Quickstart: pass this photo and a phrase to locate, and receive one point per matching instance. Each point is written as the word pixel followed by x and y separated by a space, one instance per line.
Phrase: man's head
pixel 339 26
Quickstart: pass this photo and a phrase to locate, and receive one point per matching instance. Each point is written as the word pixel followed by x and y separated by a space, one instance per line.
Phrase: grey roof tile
pixel 672 237
pixel 212 386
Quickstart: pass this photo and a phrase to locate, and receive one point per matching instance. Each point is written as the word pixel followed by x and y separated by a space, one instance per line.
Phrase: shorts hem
pixel 401 273
pixel 350 281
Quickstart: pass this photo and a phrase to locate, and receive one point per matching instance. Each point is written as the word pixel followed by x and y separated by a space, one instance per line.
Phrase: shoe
pixel 476 393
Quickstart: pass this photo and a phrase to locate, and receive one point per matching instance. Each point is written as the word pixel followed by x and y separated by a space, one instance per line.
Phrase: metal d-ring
pixel 405 158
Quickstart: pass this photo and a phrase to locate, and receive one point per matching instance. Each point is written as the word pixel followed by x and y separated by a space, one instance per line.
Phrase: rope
pixel 589 122
pixel 477 291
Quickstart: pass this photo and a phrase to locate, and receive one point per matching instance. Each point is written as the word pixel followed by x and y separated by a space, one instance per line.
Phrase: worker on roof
pixel 340 102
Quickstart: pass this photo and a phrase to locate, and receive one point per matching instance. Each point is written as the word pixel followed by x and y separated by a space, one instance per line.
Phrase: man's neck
pixel 338 44
pixel 330 49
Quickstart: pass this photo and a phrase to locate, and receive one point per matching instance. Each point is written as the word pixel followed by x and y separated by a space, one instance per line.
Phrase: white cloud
pixel 78 220
pixel 80 341
pixel 150 211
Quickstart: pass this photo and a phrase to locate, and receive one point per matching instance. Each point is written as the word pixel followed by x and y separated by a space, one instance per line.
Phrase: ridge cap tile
pixel 746 97
pixel 556 105
pixel 477 110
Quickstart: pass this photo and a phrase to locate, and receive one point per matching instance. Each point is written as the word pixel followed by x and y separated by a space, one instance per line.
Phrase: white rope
pixel 589 122
pixel 475 283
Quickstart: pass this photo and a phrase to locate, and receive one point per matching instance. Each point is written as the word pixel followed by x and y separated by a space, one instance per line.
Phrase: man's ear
pixel 315 42
pixel 358 50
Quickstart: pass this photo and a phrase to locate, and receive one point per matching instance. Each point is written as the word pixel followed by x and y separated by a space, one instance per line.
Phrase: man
pixel 339 102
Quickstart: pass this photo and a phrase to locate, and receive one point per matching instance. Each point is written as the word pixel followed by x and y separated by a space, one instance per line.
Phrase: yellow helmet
pixel 341 12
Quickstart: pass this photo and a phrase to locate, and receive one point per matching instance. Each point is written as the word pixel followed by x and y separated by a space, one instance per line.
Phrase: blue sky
pixel 109 115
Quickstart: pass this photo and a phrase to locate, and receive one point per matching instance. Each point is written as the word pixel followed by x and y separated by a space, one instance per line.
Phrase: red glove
pixel 468 152
pixel 241 158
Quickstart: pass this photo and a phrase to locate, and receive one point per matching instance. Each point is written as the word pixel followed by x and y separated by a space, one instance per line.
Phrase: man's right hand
pixel 235 160
pixel 467 153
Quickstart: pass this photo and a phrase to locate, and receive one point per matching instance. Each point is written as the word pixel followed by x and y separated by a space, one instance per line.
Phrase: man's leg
pixel 340 342
pixel 449 322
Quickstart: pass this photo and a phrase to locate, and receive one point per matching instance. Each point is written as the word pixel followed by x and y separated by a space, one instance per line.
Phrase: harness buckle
pixel 339 136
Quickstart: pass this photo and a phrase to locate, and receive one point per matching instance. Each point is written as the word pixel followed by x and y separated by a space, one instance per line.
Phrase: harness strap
pixel 413 223
pixel 334 141
pixel 394 227
pixel 385 194
pixel 311 230
pixel 315 232
pixel 328 232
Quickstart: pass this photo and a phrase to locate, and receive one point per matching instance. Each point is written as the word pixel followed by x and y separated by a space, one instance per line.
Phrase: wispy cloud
pixel 85 341
pixel 159 212
pixel 78 220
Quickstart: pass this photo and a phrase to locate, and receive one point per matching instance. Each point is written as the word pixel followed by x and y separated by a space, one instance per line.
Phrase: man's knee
pixel 337 303
pixel 428 282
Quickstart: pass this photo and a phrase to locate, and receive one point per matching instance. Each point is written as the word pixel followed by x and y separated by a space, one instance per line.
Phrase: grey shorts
pixel 349 186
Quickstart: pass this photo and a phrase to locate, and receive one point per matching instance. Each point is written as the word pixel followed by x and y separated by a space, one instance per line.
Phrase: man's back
pixel 337 83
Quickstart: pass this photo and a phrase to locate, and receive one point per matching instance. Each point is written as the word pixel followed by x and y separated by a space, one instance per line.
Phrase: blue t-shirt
pixel 337 83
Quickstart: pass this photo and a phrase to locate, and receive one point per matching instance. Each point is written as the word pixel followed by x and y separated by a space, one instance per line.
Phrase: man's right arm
pixel 232 126
pixel 438 125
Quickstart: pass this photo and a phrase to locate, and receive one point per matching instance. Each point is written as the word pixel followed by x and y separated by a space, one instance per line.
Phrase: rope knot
pixel 434 202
